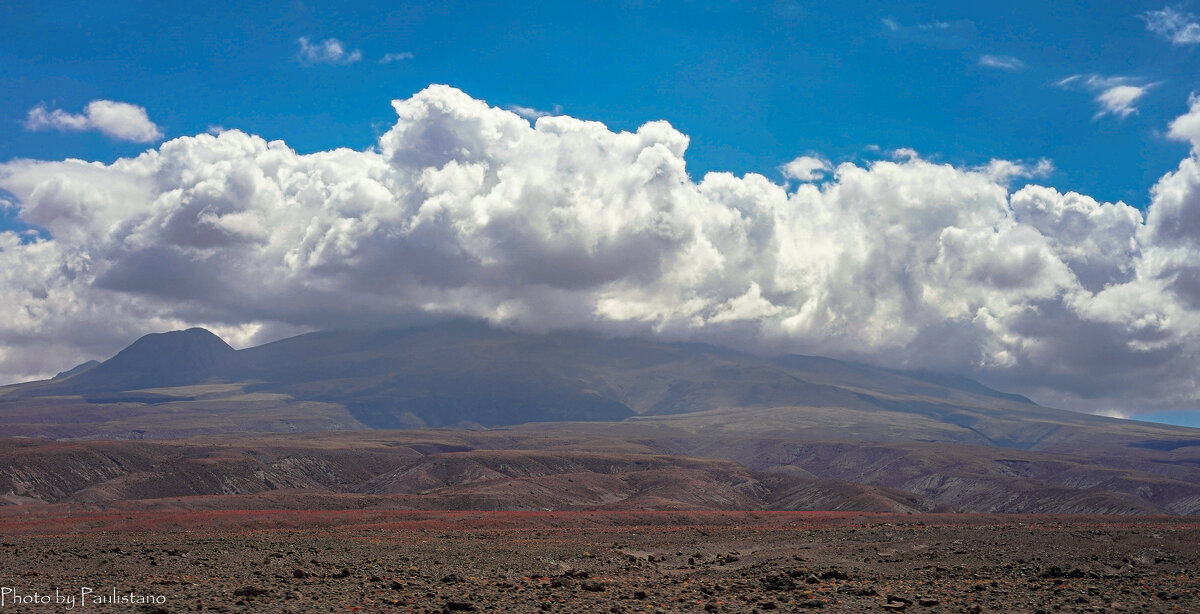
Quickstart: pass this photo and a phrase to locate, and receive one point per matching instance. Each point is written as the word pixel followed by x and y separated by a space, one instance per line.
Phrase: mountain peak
pixel 191 348
pixel 159 359
pixel 179 340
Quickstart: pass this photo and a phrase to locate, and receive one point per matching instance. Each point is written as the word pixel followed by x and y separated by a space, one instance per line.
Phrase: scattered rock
pixel 481 571
pixel 778 582
pixel 834 574
pixel 592 586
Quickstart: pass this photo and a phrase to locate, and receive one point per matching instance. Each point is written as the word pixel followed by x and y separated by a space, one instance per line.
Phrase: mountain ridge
pixel 568 420
pixel 466 372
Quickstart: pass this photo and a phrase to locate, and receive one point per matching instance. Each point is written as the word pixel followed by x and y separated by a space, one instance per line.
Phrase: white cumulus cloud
pixel 1115 95
pixel 463 209
pixel 806 168
pixel 119 120
pixel 1118 100
pixel 1004 171
pixel 531 113
pixel 328 51
pixel 1173 25
pixel 1186 127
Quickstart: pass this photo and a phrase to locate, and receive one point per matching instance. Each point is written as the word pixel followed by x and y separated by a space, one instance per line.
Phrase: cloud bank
pixel 462 209
pixel 119 120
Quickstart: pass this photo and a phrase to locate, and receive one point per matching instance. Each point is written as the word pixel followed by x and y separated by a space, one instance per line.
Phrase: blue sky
pixel 753 84
pixel 925 251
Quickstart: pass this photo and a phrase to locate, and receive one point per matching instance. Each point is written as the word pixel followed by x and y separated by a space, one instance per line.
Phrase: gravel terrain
pixel 329 561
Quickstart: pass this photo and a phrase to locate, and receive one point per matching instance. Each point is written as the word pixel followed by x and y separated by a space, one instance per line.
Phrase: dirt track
pixel 330 561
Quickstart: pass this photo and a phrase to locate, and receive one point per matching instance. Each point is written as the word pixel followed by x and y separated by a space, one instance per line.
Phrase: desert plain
pixel 271 560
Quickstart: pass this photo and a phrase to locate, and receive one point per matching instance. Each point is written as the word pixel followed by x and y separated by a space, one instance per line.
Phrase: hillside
pixel 569 421
pixel 552 468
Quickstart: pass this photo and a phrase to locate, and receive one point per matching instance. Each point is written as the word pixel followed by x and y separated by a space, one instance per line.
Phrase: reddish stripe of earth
pixel 67 520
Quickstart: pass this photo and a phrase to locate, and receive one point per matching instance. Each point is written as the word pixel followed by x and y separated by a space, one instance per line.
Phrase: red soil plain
pixel 176 559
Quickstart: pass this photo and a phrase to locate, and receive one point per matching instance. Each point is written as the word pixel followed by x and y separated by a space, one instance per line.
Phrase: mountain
pixel 469 374
pixel 158 360
pixel 793 431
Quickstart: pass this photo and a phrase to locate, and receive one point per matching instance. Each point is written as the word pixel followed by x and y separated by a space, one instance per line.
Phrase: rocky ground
pixel 327 561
